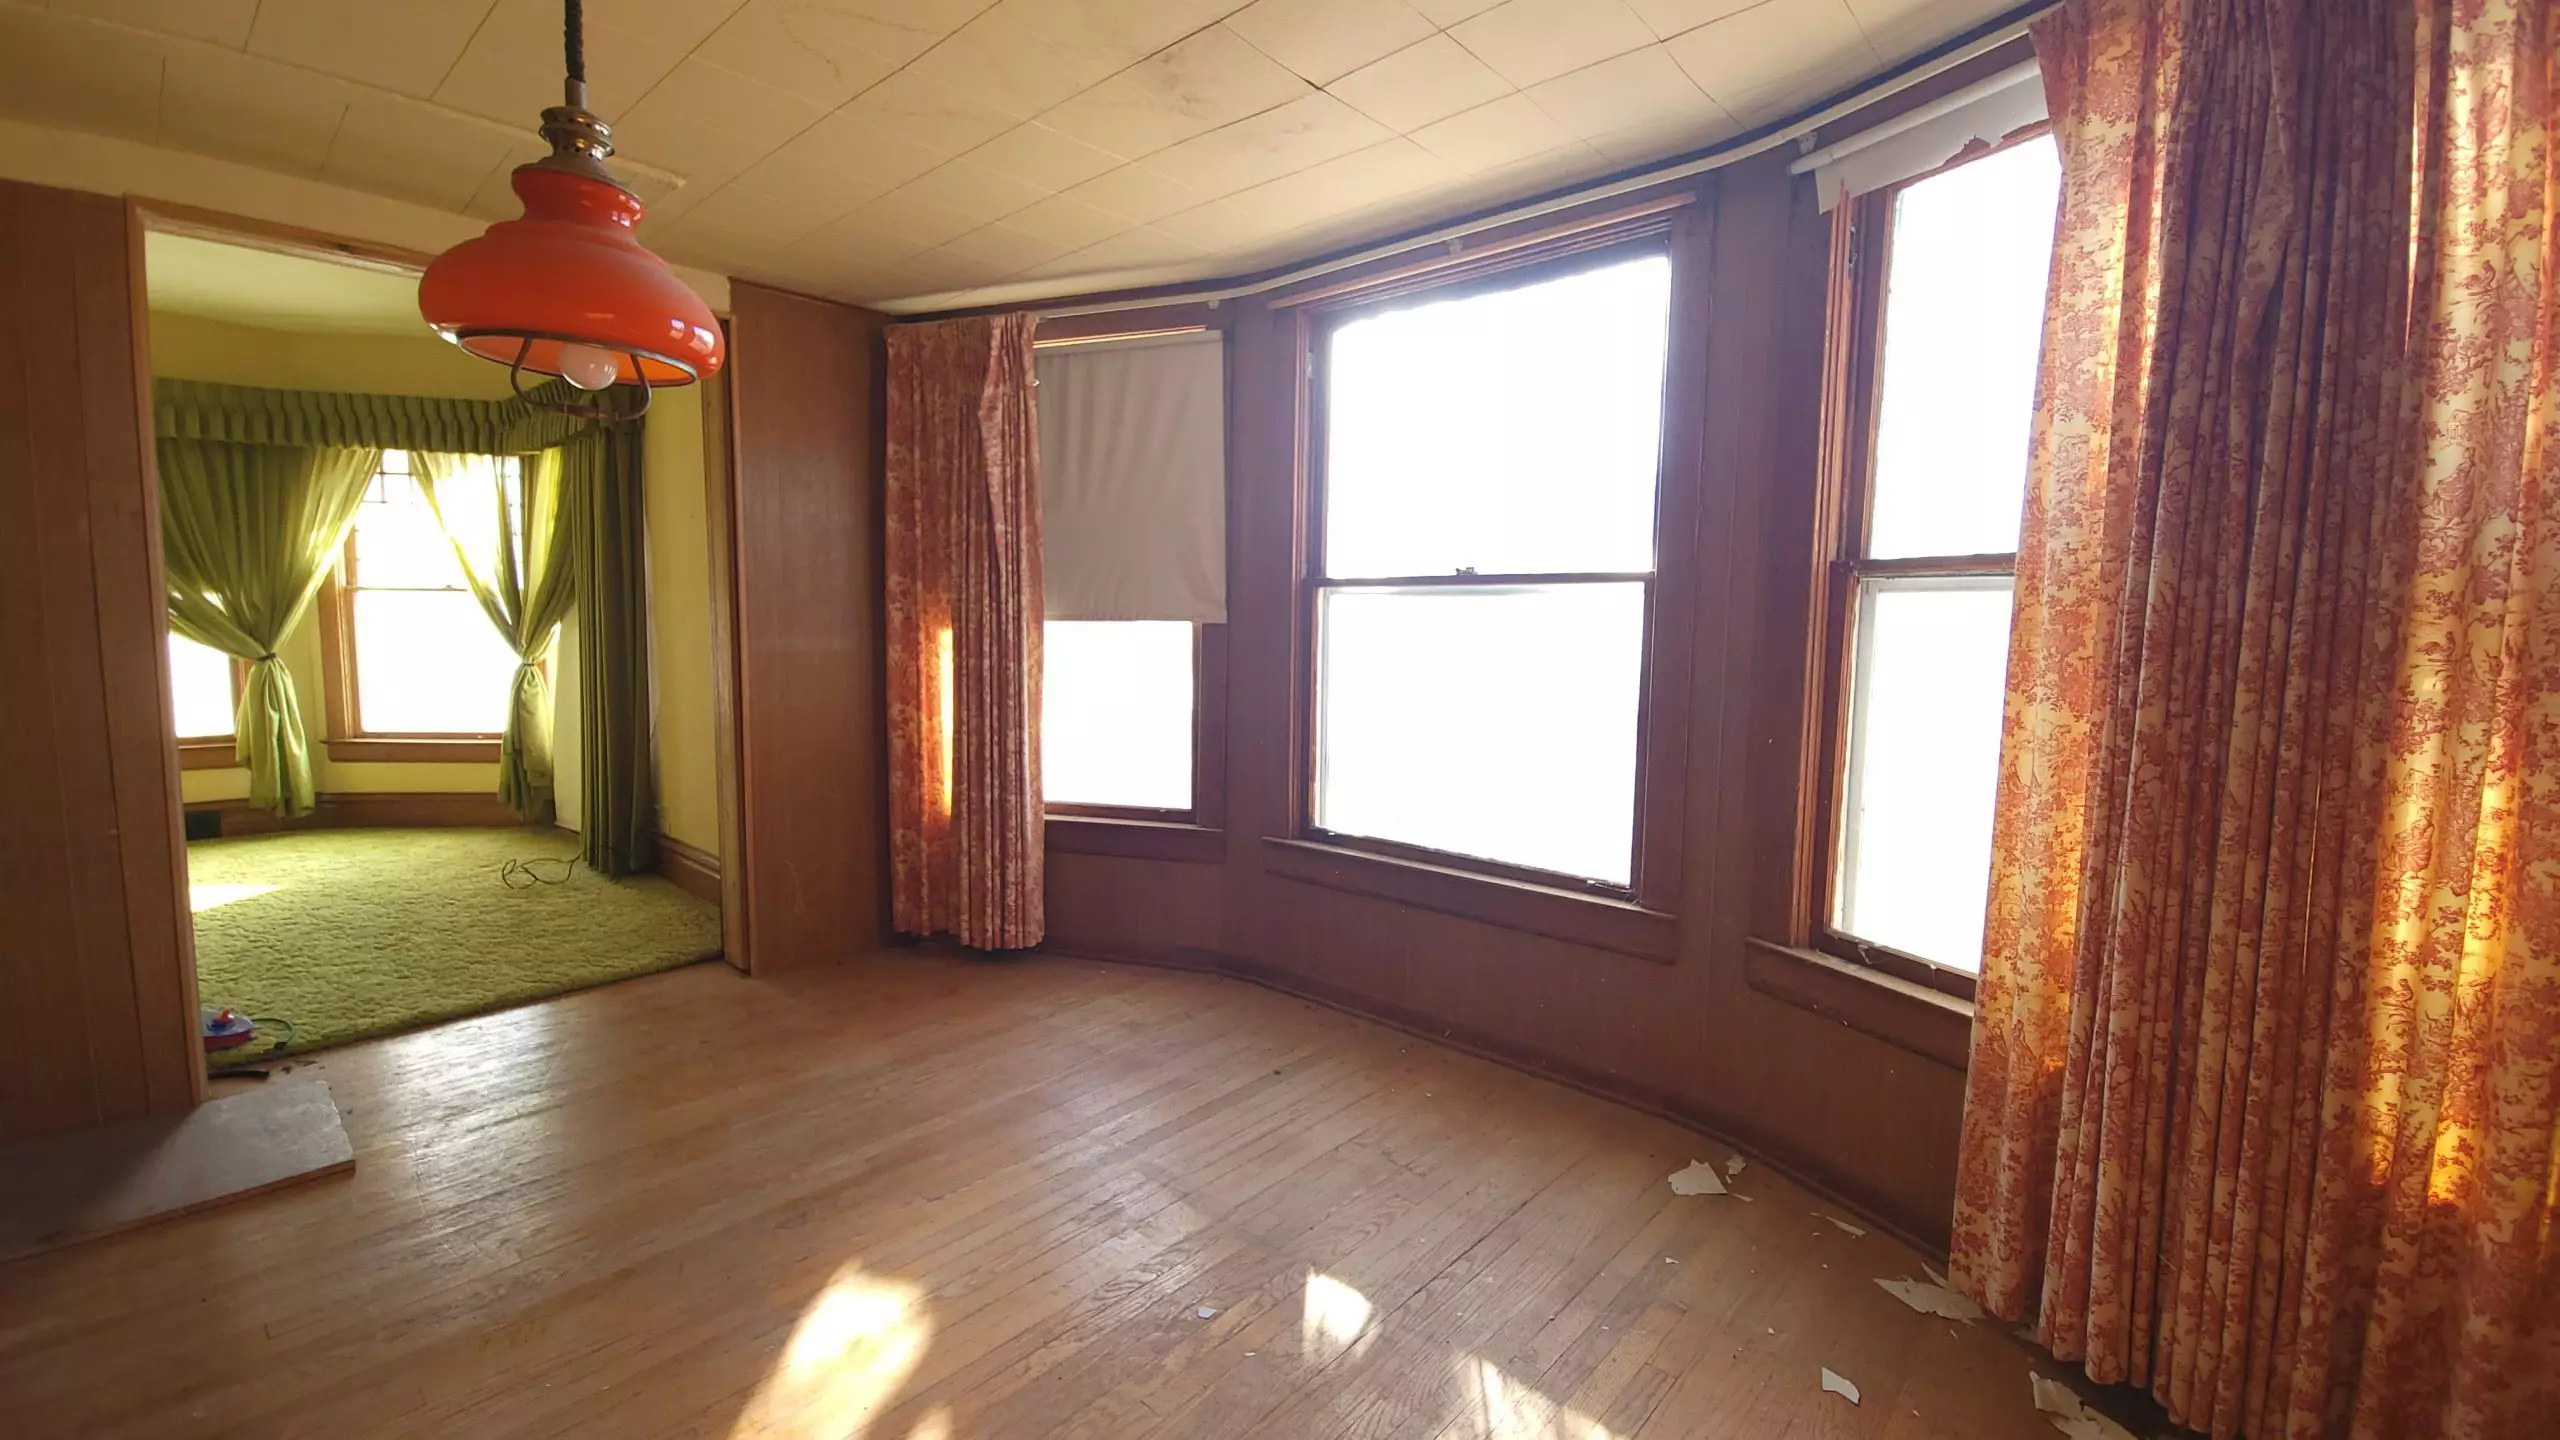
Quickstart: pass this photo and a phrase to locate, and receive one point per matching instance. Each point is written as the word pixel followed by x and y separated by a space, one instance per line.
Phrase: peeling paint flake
pixel 1700 1178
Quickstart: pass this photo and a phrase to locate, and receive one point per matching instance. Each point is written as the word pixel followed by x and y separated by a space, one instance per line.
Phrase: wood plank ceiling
pixel 903 152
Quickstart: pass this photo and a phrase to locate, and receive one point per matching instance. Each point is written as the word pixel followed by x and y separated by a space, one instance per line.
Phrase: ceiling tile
pixel 1032 54
pixel 1766 62
pixel 1640 88
pixel 395 146
pixel 1527 41
pixel 1324 40
pixel 1508 130
pixel 940 102
pixel 1421 83
pixel 913 216
pixel 1900 29
pixel 1143 245
pixel 840 162
pixel 681 23
pixel 1382 174
pixel 1068 221
pixel 57 71
pixel 1277 142
pixel 511 68
pixel 1136 194
pixel 708 124
pixel 224 22
pixel 1043 157
pixel 403 45
pixel 848 245
pixel 1212 79
pixel 1672 17
pixel 778 221
pixel 935 272
pixel 966 189
pixel 1445 13
pixel 1004 249
pixel 826 52
pixel 1638 144
pixel 263 112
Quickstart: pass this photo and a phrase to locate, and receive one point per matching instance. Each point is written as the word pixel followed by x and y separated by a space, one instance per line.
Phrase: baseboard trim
pixel 367 810
pixel 689 866
pixel 1760 1148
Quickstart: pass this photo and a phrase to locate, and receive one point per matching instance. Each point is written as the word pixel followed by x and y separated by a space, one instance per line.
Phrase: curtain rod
pixel 1796 130
pixel 2024 72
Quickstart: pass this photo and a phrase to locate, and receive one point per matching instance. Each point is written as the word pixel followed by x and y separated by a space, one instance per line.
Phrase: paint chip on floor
pixel 2063 1409
pixel 1857 1230
pixel 1208 1312
pixel 1700 1178
pixel 1932 1299
pixel 1734 1165
pixel 1839 1385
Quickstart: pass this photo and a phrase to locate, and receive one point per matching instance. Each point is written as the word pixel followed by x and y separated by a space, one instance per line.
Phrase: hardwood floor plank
pixel 922 1197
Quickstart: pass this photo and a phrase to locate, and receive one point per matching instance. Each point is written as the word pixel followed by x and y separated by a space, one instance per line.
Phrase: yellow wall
pixel 680 619
pixel 192 348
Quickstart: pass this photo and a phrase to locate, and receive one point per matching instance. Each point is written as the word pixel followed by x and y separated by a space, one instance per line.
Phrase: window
pixel 1942 397
pixel 1483 583
pixel 412 655
pixel 204 700
pixel 1116 702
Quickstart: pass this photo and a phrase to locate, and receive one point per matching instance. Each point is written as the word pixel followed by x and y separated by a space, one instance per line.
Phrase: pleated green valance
pixel 251 415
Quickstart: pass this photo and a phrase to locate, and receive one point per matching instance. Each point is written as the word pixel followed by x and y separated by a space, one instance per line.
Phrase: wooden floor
pixel 923 1197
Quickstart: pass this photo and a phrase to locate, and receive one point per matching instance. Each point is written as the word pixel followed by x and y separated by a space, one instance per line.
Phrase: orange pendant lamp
pixel 567 291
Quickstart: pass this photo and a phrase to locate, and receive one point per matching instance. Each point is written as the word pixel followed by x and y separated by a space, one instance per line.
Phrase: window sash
pixel 1655 841
pixel 1862 263
pixel 341 653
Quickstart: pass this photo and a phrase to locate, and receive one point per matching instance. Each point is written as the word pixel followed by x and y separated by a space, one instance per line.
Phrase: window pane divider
pixel 1998 563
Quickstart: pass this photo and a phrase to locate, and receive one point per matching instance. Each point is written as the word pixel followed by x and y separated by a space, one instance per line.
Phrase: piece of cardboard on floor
pixel 64 1189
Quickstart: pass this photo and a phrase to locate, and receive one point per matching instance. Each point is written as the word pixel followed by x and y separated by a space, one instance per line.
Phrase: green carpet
pixel 349 933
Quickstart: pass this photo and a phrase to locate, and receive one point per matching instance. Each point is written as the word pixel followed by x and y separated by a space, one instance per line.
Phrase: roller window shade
pixel 1133 479
pixel 1916 143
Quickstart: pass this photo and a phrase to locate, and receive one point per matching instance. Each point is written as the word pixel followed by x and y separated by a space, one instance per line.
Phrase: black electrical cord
pixel 525 874
pixel 574 38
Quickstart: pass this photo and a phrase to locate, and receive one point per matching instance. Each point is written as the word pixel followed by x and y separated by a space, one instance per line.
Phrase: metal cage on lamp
pixel 567 291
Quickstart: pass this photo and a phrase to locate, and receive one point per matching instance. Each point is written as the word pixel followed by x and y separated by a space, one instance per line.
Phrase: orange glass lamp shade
pixel 569 291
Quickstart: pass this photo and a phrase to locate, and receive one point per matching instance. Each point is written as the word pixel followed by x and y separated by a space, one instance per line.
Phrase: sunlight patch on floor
pixel 1336 1319
pixel 206 895
pixel 1506 1409
pixel 855 1346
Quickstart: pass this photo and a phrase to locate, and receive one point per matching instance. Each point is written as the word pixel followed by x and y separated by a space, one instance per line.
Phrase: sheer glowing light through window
pixel 1336 1319
pixel 1115 713
pixel 854 1348
pixel 202 703
pixel 204 895
pixel 428 662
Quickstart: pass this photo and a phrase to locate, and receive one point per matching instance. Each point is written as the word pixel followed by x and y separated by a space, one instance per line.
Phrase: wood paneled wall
pixel 809 860
pixel 1873 1121
pixel 96 963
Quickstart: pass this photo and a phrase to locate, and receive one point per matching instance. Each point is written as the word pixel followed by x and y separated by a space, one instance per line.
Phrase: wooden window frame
pixel 1675 229
pixel 348 741
pixel 1861 265
pixel 1195 833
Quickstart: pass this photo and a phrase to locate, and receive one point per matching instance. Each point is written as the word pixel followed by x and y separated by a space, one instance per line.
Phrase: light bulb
pixel 587 367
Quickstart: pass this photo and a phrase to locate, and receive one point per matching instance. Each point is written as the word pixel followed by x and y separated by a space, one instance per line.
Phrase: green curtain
pixel 601 479
pixel 255 415
pixel 514 545
pixel 248 531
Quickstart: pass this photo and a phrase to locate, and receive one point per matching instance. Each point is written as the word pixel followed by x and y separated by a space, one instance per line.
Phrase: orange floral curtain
pixel 964 613
pixel 2263 1110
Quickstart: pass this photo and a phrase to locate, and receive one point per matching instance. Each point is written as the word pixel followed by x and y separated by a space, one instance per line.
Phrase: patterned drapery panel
pixel 964 613
pixel 2264 1103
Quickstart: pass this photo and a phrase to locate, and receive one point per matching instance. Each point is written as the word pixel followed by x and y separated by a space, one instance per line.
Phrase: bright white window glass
pixel 1924 759
pixel 1115 713
pixel 1509 432
pixel 200 689
pixel 428 662
pixel 1498 723
pixel 1963 327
